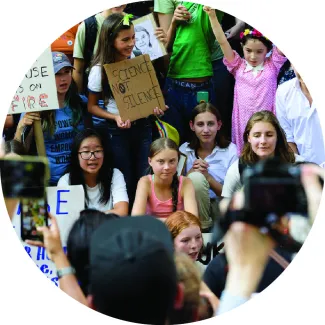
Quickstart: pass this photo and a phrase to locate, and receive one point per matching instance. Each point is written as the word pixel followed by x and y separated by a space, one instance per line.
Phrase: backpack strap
pixel 90 39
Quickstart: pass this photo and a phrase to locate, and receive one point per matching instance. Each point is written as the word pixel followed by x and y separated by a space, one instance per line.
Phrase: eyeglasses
pixel 86 155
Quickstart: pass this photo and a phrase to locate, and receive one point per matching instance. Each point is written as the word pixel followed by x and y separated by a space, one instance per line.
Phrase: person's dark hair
pixel 106 51
pixel 149 293
pixel 73 101
pixel 268 44
pixel 79 241
pixel 14 146
pixel 138 29
pixel 105 174
pixel 282 149
pixel 220 139
pixel 156 147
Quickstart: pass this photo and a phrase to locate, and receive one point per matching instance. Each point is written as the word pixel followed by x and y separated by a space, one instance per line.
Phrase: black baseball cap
pixel 132 269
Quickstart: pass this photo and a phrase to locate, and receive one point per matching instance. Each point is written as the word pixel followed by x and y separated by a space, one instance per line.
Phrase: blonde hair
pixel 189 275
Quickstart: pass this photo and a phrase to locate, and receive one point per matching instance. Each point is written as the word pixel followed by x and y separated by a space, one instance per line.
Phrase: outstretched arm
pixel 219 34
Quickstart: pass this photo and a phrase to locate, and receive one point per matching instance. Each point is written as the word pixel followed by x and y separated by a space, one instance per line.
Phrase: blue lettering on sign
pixel 40 253
pixel 59 201
pixel 28 251
pixel 44 268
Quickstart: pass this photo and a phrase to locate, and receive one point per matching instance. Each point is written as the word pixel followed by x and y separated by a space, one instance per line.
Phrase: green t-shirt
pixel 191 55
pixel 79 45
pixel 169 6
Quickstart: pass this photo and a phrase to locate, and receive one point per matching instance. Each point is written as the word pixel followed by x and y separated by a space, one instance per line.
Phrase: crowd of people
pixel 234 99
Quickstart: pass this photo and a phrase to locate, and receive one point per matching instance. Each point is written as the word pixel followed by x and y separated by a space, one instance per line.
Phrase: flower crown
pixel 253 32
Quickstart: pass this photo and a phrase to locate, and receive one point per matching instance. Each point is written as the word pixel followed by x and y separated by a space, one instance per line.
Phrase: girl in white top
pixel 209 155
pixel 263 138
pixel 91 166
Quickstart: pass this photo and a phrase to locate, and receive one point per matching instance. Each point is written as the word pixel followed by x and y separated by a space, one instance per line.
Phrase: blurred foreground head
pixel 132 270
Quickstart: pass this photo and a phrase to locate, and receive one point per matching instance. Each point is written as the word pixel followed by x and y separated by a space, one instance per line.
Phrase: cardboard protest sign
pixel 65 203
pixel 145 39
pixel 135 87
pixel 37 91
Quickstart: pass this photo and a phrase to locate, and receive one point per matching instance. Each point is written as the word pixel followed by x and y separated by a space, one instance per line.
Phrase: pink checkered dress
pixel 252 93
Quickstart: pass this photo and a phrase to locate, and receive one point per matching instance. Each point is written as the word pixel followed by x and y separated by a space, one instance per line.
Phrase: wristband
pixel 65 271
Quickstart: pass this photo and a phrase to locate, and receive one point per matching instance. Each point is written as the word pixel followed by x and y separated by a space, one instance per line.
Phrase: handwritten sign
pixel 65 203
pixel 135 87
pixel 37 91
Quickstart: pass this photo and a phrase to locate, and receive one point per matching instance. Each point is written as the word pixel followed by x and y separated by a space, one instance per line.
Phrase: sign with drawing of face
pixel 145 39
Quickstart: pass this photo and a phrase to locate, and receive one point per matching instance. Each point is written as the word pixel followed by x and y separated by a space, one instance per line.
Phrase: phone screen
pixel 23 178
pixel 33 214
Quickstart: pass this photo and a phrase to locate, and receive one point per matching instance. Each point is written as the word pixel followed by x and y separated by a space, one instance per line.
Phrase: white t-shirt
pixel 118 192
pixel 300 121
pixel 95 85
pixel 233 182
pixel 219 161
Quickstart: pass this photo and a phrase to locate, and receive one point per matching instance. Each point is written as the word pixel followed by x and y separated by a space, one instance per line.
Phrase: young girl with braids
pixel 255 75
pixel 162 192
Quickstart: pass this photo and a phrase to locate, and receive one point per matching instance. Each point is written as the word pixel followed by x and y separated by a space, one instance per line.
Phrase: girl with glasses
pixel 91 166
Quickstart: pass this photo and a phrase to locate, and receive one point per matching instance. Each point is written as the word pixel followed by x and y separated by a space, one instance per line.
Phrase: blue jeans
pixel 181 97
pixel 130 149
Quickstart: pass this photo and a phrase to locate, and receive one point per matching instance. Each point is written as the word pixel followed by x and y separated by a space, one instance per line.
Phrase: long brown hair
pixel 156 147
pixel 106 51
pixel 220 139
pixel 282 149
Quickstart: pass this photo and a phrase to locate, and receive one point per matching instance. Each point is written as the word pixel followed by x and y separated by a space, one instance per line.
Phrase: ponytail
pixel 175 184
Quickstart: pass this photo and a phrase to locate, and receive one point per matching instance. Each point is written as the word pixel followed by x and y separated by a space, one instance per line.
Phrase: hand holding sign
pixel 135 88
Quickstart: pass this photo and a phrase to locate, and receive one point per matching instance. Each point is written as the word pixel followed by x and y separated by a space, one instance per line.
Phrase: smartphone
pixel 33 214
pixel 25 177
pixel 202 97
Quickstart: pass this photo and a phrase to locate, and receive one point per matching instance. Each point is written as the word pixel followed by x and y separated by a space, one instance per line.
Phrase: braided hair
pixel 156 147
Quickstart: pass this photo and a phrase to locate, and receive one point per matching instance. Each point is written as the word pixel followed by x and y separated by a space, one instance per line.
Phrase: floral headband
pixel 253 32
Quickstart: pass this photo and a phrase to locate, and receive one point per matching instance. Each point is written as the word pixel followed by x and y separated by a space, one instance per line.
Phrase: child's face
pixel 164 164
pixel 254 52
pixel 263 138
pixel 63 80
pixel 124 43
pixel 189 241
pixel 94 163
pixel 206 127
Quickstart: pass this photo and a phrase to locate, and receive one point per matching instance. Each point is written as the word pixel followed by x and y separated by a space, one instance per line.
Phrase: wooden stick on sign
pixel 39 138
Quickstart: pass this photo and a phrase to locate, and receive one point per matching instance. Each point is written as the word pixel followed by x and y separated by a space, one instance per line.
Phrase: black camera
pixel 273 192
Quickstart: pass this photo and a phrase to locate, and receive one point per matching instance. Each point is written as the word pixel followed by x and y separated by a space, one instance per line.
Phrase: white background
pixel 27 28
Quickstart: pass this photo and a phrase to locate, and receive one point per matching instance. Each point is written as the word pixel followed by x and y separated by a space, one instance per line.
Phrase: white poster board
pixel 37 91
pixel 145 39
pixel 65 203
